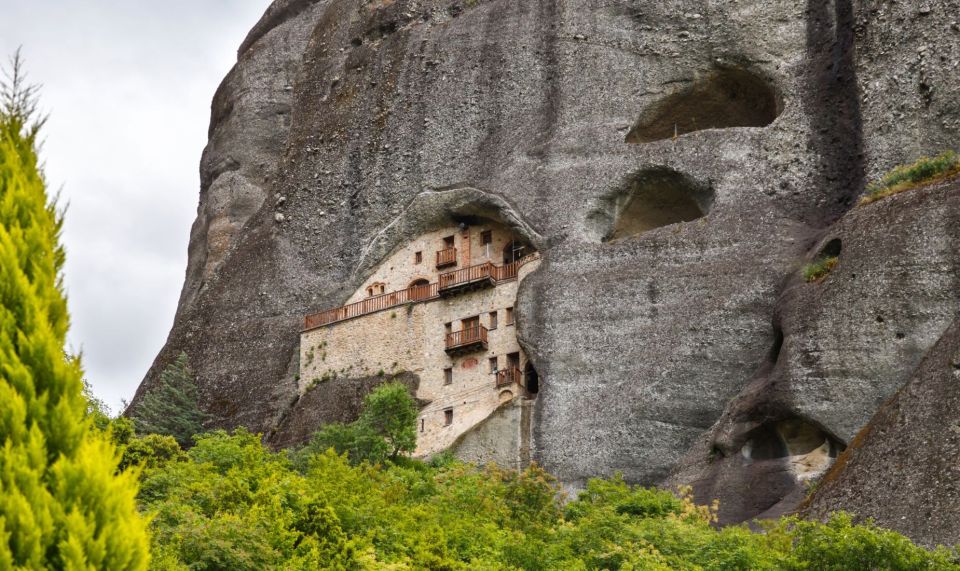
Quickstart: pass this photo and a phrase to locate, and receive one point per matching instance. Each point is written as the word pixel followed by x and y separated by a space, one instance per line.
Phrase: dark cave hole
pixel 651 199
pixel 777 344
pixel 765 444
pixel 788 437
pixel 531 379
pixel 727 97
pixel 831 249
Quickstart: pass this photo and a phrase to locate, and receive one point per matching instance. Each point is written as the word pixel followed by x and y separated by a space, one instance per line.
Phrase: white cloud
pixel 128 86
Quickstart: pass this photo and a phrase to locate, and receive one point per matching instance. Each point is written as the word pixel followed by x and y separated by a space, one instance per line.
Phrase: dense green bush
pixel 62 503
pixel 386 428
pixel 231 504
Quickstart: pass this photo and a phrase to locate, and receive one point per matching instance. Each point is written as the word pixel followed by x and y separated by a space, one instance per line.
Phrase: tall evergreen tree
pixel 172 407
pixel 62 503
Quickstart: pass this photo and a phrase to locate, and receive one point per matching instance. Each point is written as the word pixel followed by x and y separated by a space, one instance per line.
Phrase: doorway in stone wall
pixel 419 289
pixel 513 251
pixel 531 380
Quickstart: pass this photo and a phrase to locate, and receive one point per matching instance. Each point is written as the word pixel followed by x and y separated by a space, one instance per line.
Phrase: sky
pixel 127 85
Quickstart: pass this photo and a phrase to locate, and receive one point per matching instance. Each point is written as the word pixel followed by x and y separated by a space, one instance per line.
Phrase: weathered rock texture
pixel 339 113
pixel 844 346
pixel 902 469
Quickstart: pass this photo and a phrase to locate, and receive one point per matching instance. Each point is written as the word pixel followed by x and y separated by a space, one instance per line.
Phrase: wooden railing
pixel 510 271
pixel 506 271
pixel 507 377
pixel 467 275
pixel 418 293
pixel 372 305
pixel 468 336
pixel 447 257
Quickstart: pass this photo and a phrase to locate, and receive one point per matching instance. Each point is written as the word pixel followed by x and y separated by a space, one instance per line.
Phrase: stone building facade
pixel 442 308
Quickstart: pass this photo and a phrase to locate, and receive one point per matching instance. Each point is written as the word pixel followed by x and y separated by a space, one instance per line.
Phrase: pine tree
pixel 62 503
pixel 172 407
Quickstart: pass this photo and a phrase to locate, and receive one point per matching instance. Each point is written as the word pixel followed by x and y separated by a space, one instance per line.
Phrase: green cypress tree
pixel 172 407
pixel 62 503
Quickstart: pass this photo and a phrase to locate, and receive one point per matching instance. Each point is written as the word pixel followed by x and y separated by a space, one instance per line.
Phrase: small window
pixel 493 364
pixel 376 289
pixel 493 320
pixel 448 328
pixel 448 417
pixel 486 237
pixel 418 257
pixel 448 242
pixel 448 376
pixel 509 316
pixel 422 422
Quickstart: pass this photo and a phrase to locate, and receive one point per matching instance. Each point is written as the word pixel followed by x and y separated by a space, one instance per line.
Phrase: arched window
pixel 419 289
pixel 513 251
pixel 377 288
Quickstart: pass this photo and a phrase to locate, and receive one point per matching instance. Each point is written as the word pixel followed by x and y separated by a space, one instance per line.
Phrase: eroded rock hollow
pixel 675 162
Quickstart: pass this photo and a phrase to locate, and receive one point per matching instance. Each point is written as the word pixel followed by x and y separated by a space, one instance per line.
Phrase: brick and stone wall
pixel 410 339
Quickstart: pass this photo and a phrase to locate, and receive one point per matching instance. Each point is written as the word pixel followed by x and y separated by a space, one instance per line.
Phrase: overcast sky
pixel 127 84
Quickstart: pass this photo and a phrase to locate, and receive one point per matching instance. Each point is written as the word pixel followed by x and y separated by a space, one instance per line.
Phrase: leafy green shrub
pixel 906 177
pixel 150 451
pixel 231 504
pixel 62 503
pixel 390 412
pixel 171 407
pixel 357 441
pixel 387 428
pixel 840 545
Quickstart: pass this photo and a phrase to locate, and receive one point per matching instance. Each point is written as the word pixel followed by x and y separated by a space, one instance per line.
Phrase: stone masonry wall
pixel 410 339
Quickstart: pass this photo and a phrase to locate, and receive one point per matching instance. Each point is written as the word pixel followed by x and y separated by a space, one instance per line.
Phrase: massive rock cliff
pixel 664 351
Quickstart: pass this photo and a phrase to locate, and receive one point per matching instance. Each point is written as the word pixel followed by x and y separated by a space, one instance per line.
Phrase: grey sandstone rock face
pixel 353 112
pixel 503 438
pixel 902 468
pixel 845 345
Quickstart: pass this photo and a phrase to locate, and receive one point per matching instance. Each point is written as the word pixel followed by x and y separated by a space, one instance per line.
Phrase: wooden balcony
pixel 467 279
pixel 372 305
pixel 467 340
pixel 449 283
pixel 508 377
pixel 446 257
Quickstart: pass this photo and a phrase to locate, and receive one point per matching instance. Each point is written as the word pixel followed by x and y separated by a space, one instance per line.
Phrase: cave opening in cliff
pixel 724 98
pixel 832 249
pixel 531 380
pixel 650 199
pixel 810 448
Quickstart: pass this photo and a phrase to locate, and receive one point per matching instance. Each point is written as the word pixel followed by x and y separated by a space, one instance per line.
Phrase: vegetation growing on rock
pixel 820 268
pixel 924 171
